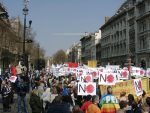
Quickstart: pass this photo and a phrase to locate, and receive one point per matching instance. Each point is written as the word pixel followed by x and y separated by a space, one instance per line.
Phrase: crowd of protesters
pixel 51 94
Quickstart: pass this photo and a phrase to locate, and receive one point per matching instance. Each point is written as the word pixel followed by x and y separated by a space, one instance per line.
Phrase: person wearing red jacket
pixel 13 71
pixel 87 103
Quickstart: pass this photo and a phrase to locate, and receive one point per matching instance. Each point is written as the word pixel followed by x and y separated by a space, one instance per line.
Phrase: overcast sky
pixel 60 23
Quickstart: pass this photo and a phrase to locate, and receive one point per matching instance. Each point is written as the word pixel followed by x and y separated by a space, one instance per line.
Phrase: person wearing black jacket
pixel 6 96
pixel 58 106
pixel 22 89
pixel 35 102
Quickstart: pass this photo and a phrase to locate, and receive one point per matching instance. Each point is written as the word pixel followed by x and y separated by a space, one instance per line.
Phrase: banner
pixel 72 65
pixel 86 88
pixel 126 86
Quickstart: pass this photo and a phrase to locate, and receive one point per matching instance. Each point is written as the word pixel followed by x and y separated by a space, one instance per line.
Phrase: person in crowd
pixel 123 96
pixel 130 103
pixel 76 109
pixel 35 102
pixel 5 90
pixel 109 103
pixel 46 97
pixel 148 103
pixel 58 106
pixel 1 80
pixel 133 105
pixel 66 91
pixel 93 108
pixel 53 94
pixel 142 102
pixel 11 95
pixel 123 106
pixel 40 88
pixel 22 89
pixel 86 103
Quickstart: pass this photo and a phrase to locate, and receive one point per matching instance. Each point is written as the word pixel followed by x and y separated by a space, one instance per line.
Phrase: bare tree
pixel 59 57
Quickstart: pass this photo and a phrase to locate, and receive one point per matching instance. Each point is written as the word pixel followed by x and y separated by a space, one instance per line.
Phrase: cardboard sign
pixel 148 73
pixel 107 79
pixel 86 88
pixel 138 72
pixel 13 79
pixel 95 73
pixel 113 67
pixel 124 74
pixel 86 78
pixel 138 87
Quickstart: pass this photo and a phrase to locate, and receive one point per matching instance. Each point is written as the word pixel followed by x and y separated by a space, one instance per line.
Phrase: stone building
pixel 126 35
pixel 74 53
pixel 8 38
pixel 88 47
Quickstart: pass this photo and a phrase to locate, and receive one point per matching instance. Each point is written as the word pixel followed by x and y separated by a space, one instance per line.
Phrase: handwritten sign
pixel 138 87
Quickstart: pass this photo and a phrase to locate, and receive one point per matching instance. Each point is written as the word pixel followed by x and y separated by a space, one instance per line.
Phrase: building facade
pixel 126 35
pixel 88 47
pixel 7 37
pixel 74 53
pixel 143 32
pixel 98 52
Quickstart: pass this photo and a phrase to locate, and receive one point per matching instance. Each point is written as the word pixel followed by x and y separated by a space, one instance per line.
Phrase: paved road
pixel 14 105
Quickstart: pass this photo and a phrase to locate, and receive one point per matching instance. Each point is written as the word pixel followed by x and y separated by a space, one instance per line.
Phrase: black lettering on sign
pixel 82 88
pixel 102 77
pixel 82 78
pixel 137 86
pixel 117 78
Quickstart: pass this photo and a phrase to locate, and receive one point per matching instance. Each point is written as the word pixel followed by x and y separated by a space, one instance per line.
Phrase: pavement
pixel 14 105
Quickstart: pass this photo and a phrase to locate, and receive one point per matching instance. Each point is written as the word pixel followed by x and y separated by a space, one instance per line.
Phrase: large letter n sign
pixel 86 88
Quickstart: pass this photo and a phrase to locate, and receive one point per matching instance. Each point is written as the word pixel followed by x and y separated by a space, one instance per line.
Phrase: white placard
pixel 13 79
pixel 86 88
pixel 138 86
pixel 107 79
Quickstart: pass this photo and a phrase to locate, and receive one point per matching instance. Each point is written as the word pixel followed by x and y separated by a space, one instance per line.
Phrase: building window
pixel 143 43
pixel 148 3
pixel 141 9
pixel 124 33
pixel 142 26
pixel 149 23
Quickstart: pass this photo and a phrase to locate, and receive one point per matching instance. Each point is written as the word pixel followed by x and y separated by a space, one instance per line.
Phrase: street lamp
pixel 25 13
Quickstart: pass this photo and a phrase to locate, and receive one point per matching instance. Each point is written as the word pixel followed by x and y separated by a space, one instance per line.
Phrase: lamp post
pixel 24 55
pixel 25 13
